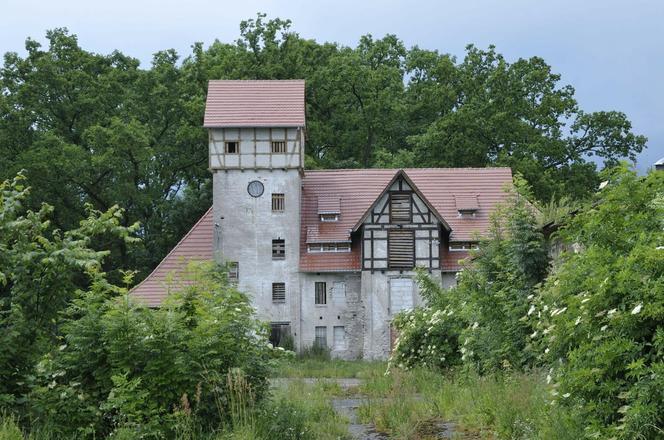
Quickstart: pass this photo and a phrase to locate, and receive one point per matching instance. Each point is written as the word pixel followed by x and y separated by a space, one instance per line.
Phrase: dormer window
pixel 329 208
pixel 318 248
pixel 463 246
pixel 329 217
pixel 467 205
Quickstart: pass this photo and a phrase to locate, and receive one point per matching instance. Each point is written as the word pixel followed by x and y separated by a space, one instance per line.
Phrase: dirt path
pixel 348 408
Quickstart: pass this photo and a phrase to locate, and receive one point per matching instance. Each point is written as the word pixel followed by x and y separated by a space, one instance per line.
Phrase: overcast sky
pixel 611 51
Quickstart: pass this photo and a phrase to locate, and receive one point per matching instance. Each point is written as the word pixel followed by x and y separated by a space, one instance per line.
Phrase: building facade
pixel 327 256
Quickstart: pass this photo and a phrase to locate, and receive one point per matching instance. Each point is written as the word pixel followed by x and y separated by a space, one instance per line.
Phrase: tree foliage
pixel 41 270
pixel 98 129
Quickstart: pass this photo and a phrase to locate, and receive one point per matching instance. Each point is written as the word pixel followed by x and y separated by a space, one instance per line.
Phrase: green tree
pixel 41 270
pixel 486 111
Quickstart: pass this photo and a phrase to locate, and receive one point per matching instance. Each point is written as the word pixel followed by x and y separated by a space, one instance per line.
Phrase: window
pixel 278 202
pixel 232 147
pixel 328 247
pixel 339 337
pixel 401 249
pixel 233 271
pixel 329 217
pixel 400 210
pixel 321 292
pixel 280 333
pixel 278 146
pixel 278 249
pixel 466 213
pixel 278 292
pixel 463 246
pixel 339 293
pixel 321 336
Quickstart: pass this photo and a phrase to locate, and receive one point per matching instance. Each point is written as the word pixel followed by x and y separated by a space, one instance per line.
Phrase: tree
pixel 41 272
pixel 491 112
pixel 94 129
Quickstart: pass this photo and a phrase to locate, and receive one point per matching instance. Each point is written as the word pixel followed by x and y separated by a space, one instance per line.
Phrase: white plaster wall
pixel 246 228
pixel 348 314
pixel 376 298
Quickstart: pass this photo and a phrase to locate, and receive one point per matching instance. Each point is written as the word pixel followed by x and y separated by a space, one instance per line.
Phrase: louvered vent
pixel 400 208
pixel 401 249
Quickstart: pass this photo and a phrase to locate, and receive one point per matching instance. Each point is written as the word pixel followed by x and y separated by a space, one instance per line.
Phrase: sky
pixel 610 51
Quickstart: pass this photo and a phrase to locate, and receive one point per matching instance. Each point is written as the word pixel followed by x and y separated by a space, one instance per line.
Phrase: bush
pixel 123 367
pixel 600 314
pixel 480 321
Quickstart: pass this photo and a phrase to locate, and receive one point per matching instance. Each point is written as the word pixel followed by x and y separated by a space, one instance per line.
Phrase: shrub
pixel 600 314
pixel 480 321
pixel 122 366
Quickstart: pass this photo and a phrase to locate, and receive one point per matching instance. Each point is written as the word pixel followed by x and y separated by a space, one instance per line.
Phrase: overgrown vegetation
pixel 594 322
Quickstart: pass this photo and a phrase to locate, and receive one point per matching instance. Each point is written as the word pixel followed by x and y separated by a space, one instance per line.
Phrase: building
pixel 326 255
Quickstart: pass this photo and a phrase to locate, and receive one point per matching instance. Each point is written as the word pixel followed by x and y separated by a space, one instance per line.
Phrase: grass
pixel 514 406
pixel 335 368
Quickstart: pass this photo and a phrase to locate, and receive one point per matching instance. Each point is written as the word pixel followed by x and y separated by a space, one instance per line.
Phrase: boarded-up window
pixel 321 293
pixel 339 337
pixel 401 249
pixel 278 146
pixel 321 336
pixel 278 292
pixel 339 293
pixel 278 249
pixel 278 202
pixel 232 147
pixel 400 209
pixel 401 295
pixel 233 271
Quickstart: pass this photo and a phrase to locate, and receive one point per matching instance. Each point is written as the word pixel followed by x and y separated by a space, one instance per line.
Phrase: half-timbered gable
pixel 401 230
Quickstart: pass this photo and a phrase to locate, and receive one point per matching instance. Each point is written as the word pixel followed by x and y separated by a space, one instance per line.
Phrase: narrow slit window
pixel 233 271
pixel 278 202
pixel 401 249
pixel 278 292
pixel 321 293
pixel 232 147
pixel 278 146
pixel 278 249
pixel 400 208
pixel 321 336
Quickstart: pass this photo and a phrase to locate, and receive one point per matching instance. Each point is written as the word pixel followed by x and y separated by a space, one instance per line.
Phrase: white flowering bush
pixel 480 321
pixel 599 319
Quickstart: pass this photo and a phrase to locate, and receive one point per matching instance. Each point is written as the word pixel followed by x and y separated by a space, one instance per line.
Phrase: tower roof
pixel 255 103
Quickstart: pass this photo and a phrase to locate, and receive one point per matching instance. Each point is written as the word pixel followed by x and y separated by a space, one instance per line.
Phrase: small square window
pixel 321 337
pixel 233 271
pixel 278 202
pixel 278 292
pixel 232 147
pixel 321 293
pixel 278 249
pixel 278 146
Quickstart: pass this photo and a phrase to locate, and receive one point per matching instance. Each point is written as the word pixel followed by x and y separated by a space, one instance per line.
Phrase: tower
pixel 256 147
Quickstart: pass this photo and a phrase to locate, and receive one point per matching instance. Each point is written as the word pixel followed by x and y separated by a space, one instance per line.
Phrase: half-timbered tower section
pixel 328 257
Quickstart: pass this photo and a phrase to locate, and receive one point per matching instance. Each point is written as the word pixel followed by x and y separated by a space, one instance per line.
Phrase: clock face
pixel 255 188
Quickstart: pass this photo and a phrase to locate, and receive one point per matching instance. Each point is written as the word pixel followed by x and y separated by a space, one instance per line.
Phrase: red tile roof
pixel 195 245
pixel 358 189
pixel 466 202
pixel 329 205
pixel 263 103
